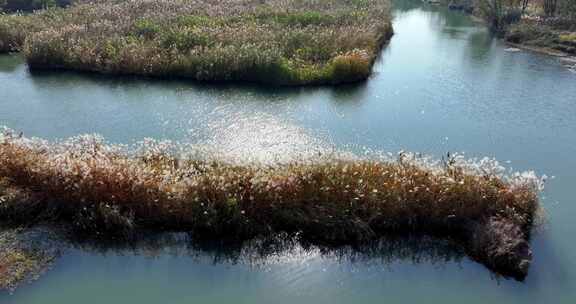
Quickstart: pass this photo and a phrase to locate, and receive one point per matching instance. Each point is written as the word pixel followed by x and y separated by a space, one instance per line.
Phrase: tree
pixel 550 7
pixel 525 4
pixel 500 13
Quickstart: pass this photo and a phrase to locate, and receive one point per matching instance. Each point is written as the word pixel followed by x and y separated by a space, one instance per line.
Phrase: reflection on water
pixel 443 84
pixel 283 259
pixel 262 252
pixel 9 64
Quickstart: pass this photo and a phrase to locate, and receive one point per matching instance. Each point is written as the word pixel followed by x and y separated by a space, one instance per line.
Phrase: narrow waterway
pixel 442 85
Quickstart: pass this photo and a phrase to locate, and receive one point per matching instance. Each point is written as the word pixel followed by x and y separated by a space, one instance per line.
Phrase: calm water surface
pixel 443 84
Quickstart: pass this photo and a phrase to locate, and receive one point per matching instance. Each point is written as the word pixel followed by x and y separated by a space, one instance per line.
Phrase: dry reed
pixel 275 41
pixel 104 189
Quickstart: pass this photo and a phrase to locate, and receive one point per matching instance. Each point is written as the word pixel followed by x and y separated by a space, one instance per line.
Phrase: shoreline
pixel 543 50
pixel 524 46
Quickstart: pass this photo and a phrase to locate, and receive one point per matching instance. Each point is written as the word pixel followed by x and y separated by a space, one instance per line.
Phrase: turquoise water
pixel 443 84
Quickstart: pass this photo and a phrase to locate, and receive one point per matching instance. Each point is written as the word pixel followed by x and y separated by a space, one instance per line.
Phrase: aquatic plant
pixel 279 42
pixel 110 190
pixel 20 258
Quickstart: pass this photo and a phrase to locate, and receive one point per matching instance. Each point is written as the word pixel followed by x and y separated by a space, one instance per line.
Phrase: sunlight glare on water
pixel 444 84
pixel 257 137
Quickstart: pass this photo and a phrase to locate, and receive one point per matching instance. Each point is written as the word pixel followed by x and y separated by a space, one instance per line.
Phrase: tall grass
pixel 274 41
pixel 105 189
pixel 13 31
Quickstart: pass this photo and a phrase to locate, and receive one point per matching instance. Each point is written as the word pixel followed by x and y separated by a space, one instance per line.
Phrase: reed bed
pixel 110 190
pixel 284 42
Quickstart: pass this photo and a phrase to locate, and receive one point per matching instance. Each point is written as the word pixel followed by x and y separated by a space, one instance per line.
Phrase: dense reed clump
pixel 104 189
pixel 273 41
pixel 13 31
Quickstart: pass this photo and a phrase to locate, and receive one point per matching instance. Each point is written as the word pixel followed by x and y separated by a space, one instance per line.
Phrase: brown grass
pixel 99 189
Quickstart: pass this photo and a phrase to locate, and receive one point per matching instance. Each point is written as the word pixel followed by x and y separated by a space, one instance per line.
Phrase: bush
pixel 352 66
pixel 532 34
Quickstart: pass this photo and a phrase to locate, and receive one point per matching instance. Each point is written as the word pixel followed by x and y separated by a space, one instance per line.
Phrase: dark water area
pixel 444 84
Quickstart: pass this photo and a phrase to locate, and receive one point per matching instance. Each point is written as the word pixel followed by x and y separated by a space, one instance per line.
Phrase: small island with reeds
pixel 273 42
pixel 100 189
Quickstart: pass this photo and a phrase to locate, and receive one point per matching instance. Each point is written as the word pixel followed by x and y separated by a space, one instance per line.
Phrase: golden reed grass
pixel 105 189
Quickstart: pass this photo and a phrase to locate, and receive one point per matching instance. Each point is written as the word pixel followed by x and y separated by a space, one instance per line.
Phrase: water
pixel 443 84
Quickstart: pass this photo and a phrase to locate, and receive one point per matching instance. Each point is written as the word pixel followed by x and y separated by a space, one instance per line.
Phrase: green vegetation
pixel 543 37
pixel 279 42
pixel 106 190
pixel 19 260
pixel 550 26
pixel 499 14
pixel 545 25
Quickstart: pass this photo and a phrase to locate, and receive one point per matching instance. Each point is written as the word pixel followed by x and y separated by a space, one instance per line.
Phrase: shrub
pixel 531 33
